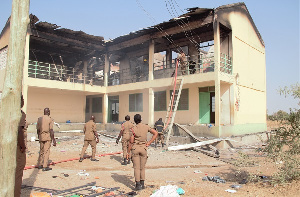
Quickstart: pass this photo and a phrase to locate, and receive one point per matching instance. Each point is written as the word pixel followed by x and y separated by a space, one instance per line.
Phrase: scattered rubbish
pixel 40 194
pixel 54 177
pixel 32 139
pixel 170 181
pixel 169 190
pixel 181 182
pixel 132 193
pixel 68 121
pixel 236 186
pixel 263 177
pixel 109 194
pixel 230 190
pixel 209 125
pixel 82 173
pixel 66 175
pixel 180 191
pixel 244 181
pixel 58 142
pixel 151 186
pixel 215 179
pixel 197 171
pixel 96 177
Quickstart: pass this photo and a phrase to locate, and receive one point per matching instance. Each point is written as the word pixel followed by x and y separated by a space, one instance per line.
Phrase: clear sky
pixel 276 20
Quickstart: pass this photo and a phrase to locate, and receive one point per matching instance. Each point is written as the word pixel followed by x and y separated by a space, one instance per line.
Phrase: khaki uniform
pixel 89 138
pixel 126 127
pixel 20 158
pixel 139 150
pixel 182 60
pixel 44 125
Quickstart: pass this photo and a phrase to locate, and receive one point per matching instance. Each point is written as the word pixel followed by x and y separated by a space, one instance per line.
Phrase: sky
pixel 276 20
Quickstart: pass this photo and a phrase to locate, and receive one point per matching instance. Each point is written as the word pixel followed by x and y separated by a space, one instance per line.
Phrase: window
pixel 87 105
pixel 136 102
pixel 184 99
pixel 160 101
pixel 97 105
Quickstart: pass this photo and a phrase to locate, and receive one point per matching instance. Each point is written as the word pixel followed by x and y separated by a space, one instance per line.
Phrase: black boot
pixel 138 186
pixel 125 162
pixel 128 161
pixel 142 184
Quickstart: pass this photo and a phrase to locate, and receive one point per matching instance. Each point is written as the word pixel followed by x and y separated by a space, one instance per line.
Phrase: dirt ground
pixel 184 169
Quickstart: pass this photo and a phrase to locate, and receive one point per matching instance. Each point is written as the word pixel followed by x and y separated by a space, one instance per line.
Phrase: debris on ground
pixel 215 179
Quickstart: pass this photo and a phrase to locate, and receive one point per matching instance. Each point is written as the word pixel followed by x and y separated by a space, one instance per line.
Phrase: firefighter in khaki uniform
pixel 21 151
pixel 139 150
pixel 91 137
pixel 46 135
pixel 125 133
pixel 159 126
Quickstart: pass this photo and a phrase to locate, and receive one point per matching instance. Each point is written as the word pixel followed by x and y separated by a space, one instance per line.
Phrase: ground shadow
pixel 118 158
pixel 29 181
pixel 124 179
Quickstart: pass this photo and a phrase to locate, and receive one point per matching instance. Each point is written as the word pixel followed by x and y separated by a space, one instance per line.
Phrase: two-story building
pixel 77 75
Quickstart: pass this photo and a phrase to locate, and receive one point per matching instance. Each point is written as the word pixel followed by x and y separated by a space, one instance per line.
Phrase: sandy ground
pixel 184 169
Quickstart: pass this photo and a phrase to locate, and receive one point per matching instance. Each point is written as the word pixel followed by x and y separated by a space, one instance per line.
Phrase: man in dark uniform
pixel 90 137
pixel 139 146
pixel 21 151
pixel 159 126
pixel 125 133
pixel 46 135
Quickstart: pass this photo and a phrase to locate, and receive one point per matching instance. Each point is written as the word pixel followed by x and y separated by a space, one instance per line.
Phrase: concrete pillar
pixel 105 108
pixel 169 58
pixel 151 107
pixel 217 72
pixel 25 73
pixel 151 59
pixel 106 70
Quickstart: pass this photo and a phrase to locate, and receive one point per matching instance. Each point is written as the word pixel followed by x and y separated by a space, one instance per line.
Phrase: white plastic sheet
pixel 164 191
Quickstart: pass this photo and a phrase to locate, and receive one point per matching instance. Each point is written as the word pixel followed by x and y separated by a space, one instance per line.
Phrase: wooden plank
pixel 192 145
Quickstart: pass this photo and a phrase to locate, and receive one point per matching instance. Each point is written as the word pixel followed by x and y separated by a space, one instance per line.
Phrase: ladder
pixel 178 83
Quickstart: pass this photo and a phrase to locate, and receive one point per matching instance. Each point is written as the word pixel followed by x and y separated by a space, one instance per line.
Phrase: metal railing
pixel 56 72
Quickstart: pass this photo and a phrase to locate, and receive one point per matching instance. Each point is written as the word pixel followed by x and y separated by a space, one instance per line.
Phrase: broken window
pixel 160 60
pixel 97 105
pixel 184 99
pixel 160 101
pixel 136 102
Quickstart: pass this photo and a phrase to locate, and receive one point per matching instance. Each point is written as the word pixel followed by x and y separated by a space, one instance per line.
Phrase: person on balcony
pixel 90 137
pixel 125 133
pixel 182 61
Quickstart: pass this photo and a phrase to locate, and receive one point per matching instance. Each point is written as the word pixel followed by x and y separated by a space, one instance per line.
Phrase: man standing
pixel 46 135
pixel 183 62
pixel 21 151
pixel 159 126
pixel 125 133
pixel 91 137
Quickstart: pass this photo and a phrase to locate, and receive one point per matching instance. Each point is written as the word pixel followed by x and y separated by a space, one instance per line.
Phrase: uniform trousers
pixel 86 144
pixel 160 137
pixel 139 159
pixel 44 153
pixel 21 161
pixel 125 144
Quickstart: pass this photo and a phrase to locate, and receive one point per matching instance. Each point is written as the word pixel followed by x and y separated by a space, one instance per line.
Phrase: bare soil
pixel 184 169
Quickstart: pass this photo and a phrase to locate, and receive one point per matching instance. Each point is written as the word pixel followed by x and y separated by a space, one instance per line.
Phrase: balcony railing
pixel 56 72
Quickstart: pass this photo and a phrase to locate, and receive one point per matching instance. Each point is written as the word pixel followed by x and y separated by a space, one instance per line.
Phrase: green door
pixel 204 107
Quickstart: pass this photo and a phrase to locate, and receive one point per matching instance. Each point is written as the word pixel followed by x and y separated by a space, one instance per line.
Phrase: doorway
pixel 206 105
pixel 113 109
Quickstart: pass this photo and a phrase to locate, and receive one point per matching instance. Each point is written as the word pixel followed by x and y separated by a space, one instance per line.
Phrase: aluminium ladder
pixel 173 107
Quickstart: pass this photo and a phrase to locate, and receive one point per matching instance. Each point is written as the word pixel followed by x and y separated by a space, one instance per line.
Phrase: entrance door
pixel 113 109
pixel 212 107
pixel 204 107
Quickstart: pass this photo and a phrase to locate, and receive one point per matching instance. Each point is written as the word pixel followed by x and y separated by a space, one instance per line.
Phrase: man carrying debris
pixel 139 146
pixel 90 137
pixel 159 126
pixel 46 135
pixel 125 133
pixel 21 151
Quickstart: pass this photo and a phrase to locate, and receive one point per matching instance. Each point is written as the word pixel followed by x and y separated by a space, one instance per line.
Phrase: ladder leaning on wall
pixel 173 104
